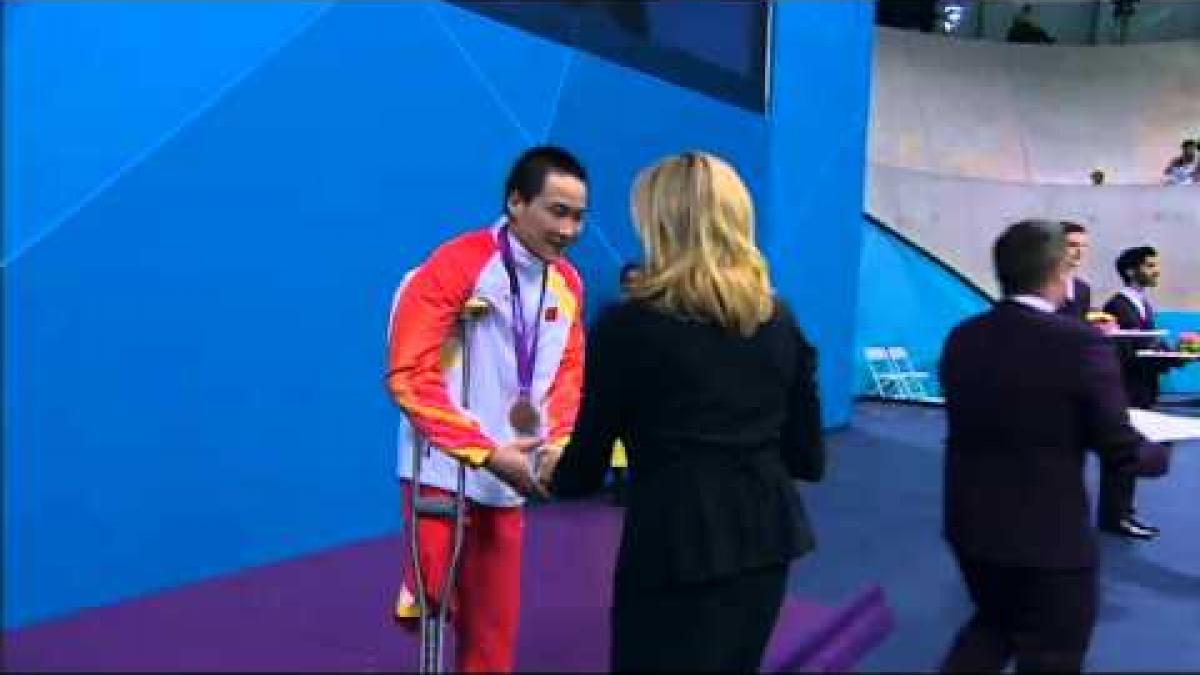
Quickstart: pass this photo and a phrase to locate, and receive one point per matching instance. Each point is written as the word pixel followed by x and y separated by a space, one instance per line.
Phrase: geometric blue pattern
pixel 194 356
pixel 138 87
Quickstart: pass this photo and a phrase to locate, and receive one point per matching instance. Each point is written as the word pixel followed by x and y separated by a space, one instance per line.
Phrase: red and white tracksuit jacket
pixel 425 366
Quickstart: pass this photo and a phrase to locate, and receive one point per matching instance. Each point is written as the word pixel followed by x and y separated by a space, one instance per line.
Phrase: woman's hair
pixel 696 222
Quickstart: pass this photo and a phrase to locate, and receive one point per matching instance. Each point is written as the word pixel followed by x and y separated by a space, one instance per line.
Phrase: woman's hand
pixel 548 458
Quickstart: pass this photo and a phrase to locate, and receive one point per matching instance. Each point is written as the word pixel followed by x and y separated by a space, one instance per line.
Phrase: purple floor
pixel 331 612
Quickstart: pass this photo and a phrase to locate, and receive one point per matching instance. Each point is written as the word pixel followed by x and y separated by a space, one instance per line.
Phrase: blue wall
pixel 812 233
pixel 198 270
pixel 905 299
pixel 140 70
pixel 1185 380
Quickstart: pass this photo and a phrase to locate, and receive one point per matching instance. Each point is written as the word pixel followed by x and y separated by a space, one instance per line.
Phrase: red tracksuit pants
pixel 486 604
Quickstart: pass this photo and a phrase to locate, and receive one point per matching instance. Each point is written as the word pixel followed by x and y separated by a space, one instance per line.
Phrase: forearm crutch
pixel 433 624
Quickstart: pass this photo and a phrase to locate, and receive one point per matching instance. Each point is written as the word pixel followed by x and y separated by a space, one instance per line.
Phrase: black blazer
pixel 1027 392
pixel 1140 374
pixel 1081 302
pixel 716 426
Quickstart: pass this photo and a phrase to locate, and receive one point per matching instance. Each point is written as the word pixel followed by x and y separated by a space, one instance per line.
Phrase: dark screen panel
pixel 717 47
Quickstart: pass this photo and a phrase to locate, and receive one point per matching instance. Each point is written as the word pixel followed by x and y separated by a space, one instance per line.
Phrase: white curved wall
pixel 1032 113
pixel 957 219
pixel 967 137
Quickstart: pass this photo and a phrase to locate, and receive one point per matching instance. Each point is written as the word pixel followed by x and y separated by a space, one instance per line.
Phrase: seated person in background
pixel 620 461
pixel 1185 168
pixel 620 473
pixel 1025 29
pixel 705 375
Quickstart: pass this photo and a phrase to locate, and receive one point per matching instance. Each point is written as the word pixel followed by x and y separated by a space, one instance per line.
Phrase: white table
pixel 1137 333
pixel 1158 354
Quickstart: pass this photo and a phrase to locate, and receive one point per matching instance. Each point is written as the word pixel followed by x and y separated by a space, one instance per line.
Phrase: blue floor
pixel 878 518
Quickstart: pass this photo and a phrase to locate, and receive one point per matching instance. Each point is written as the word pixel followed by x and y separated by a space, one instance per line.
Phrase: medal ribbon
pixel 525 336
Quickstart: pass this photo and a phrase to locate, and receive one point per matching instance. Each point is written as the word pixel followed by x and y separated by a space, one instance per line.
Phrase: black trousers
pixel 1042 618
pixel 1114 499
pixel 717 626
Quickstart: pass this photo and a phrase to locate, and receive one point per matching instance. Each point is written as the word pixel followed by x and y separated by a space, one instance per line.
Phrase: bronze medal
pixel 523 417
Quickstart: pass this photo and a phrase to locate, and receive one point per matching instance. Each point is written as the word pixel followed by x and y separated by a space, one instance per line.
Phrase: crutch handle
pixel 475 308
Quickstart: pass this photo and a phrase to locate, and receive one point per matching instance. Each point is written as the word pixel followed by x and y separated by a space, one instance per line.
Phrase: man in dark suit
pixel 1027 392
pixel 1079 293
pixel 1138 268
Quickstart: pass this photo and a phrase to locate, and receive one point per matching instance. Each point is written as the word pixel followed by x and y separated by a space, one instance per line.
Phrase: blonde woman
pixel 705 376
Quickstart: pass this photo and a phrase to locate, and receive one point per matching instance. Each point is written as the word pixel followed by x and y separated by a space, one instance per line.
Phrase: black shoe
pixel 1129 529
pixel 1149 528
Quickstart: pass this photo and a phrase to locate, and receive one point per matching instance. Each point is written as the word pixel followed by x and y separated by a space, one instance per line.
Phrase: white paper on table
pixel 1159 354
pixel 1160 427
pixel 1137 332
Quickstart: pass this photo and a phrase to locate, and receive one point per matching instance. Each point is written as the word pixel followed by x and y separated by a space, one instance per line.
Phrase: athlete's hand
pixel 510 463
